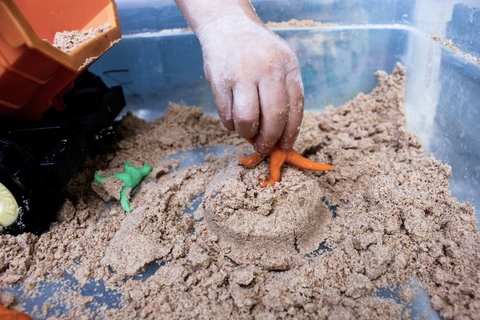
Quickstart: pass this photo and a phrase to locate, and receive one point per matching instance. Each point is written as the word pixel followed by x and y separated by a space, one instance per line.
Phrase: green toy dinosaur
pixel 131 177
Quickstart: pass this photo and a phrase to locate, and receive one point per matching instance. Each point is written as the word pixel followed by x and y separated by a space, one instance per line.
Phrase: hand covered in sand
pixel 254 75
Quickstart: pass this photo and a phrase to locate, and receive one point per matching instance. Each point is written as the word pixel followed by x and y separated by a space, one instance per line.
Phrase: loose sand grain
pixel 67 41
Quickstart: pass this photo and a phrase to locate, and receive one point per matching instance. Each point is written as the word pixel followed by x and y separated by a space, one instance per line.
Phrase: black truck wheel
pixel 37 159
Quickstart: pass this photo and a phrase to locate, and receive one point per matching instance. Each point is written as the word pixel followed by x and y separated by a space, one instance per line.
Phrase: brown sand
pixel 287 218
pixel 294 23
pixel 395 220
pixel 450 45
pixel 67 41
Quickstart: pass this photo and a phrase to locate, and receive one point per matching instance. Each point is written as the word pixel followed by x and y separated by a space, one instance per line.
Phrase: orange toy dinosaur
pixel 277 158
pixel 7 314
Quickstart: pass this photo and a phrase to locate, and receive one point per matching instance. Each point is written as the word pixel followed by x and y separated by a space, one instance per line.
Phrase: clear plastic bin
pixel 155 65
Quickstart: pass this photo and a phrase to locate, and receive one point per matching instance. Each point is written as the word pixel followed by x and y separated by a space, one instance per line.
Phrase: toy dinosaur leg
pixel 277 158
pixel 252 161
pixel 124 200
pixel 99 179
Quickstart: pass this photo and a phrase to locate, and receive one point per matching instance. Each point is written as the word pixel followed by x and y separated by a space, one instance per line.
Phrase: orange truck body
pixel 34 74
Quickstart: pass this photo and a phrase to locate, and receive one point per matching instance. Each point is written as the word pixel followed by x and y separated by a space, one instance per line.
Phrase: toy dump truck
pixel 52 110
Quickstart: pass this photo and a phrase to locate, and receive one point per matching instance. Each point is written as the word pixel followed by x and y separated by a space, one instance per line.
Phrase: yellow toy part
pixel 8 207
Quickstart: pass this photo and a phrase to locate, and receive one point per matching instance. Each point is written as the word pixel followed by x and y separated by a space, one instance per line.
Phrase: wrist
pixel 201 13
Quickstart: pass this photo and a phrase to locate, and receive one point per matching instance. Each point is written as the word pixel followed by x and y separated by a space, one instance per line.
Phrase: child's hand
pixel 253 73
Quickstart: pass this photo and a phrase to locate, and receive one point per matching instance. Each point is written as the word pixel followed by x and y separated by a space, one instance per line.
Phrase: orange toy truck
pixel 52 109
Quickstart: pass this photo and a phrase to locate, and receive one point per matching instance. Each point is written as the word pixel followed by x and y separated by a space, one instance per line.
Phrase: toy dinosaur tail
pixel 304 163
